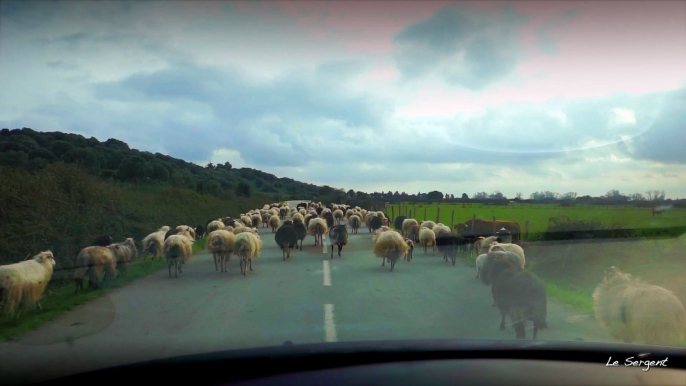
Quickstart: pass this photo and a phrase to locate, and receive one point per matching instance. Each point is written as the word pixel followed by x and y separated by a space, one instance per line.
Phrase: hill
pixel 115 160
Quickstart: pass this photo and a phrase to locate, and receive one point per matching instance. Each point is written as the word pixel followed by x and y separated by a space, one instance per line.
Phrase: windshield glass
pixel 183 177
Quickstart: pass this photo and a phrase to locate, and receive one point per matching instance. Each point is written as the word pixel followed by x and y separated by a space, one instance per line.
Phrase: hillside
pixel 115 160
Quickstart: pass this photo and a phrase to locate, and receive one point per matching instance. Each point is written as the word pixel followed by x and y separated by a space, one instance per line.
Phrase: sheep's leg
pixel 392 264
pixel 332 251
pixel 340 248
pixel 519 330
pixel 243 264
pixel 283 253
pixel 425 248
pixel 215 257
pixel 169 265
pixel 454 260
pixel 383 261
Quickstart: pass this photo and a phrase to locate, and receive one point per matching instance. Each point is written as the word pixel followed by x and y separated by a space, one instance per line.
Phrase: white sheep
pixel 514 248
pixel 153 244
pixel 438 229
pixel 187 230
pixel 165 228
pixel 634 311
pixel 274 222
pixel 215 225
pixel 221 243
pixel 338 216
pixel 427 224
pixel 23 284
pixel 178 250
pixel 480 261
pixel 247 247
pixel 318 229
pixel 483 244
pixel 408 223
pixel 427 238
pixel 98 262
pixel 390 246
pixel 297 217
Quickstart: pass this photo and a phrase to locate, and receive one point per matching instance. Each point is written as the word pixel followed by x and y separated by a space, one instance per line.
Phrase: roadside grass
pixel 60 297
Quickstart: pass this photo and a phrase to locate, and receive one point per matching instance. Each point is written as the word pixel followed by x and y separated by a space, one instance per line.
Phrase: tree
pixel 480 195
pixel 465 196
pixel 497 195
pixel 325 190
pixel 519 196
pixel 612 193
pixel 434 195
pixel 243 189
pixel 131 169
pixel 452 196
pixel 351 193
pixel 569 196
pixel 159 172
pixel 636 197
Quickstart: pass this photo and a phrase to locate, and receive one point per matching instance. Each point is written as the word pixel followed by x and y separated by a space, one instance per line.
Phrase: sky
pixel 459 97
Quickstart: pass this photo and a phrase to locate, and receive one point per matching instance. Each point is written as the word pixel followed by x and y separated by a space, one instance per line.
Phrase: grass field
pixel 60 297
pixel 538 215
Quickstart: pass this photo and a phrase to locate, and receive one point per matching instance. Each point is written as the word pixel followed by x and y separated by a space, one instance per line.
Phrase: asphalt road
pixel 309 299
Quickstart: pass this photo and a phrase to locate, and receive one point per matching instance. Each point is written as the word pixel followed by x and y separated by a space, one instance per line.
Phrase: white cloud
pixel 621 117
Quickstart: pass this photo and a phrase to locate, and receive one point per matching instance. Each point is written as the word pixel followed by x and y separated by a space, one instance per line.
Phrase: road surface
pixel 309 299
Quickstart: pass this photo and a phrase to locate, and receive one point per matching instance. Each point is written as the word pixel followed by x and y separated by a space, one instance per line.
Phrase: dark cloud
pixel 233 96
pixel 470 48
pixel 544 39
pixel 665 139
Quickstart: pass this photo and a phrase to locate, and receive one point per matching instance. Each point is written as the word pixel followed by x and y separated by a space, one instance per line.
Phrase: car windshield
pixel 185 177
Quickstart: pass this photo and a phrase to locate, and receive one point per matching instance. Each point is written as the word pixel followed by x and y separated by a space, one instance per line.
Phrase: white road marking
pixel 329 324
pixel 327 273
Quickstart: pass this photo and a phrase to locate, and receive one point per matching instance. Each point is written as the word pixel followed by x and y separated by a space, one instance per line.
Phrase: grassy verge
pixel 60 298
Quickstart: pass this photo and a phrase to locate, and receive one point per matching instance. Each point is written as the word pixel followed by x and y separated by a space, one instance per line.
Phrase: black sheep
pixel 398 223
pixel 450 244
pixel 319 210
pixel 301 230
pixel 103 241
pixel 282 213
pixel 338 235
pixel 199 232
pixel 286 238
pixel 329 220
pixel 170 232
pixel 517 293
pixel 229 222
pixel 374 224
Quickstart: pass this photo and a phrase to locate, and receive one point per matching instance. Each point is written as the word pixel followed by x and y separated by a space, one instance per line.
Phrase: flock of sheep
pixel 629 309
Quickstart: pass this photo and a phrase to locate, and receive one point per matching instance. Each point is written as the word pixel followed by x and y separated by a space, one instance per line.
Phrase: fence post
pixel 473 221
pixel 392 215
pixel 494 225
pixel 410 216
pixel 526 230
pixel 424 218
pixel 452 220
pixel 438 215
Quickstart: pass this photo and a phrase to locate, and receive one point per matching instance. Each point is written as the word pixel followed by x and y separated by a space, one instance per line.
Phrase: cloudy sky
pixel 413 96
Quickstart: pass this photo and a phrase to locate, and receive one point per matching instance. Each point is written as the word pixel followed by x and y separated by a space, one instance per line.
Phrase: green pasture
pixel 538 216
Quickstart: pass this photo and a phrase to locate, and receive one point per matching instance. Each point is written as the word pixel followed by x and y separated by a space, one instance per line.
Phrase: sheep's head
pixel 613 273
pixel 46 256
